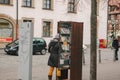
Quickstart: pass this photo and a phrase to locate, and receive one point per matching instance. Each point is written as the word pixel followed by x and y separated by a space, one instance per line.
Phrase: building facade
pixel 113 20
pixel 45 15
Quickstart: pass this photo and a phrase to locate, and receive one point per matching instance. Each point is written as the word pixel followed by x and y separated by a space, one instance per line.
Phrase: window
pixel 47 4
pixel 4 1
pixel 71 6
pixel 46 28
pixel 6 31
pixel 27 20
pixel 30 20
pixel 27 3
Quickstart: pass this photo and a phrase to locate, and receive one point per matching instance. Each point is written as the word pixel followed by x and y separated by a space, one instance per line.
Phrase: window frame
pixel 4 2
pixel 72 6
pixel 31 20
pixel 49 28
pixel 27 20
pixel 27 3
pixel 47 4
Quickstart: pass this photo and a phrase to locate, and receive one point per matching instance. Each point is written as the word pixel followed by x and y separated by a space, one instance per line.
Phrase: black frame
pixel 47 25
pixel 4 1
pixel 47 4
pixel 71 6
pixel 64 29
pixel 27 3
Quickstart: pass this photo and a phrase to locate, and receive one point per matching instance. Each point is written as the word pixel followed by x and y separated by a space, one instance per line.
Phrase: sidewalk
pixel 105 55
pixel 107 69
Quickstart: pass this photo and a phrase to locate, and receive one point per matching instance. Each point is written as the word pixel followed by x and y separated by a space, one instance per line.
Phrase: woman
pixel 53 61
pixel 115 45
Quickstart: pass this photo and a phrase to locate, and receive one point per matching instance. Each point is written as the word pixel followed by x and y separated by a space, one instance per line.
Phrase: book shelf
pixel 71 58
pixel 65 33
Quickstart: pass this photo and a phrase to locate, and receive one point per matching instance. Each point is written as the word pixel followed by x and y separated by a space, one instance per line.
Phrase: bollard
pixel 113 54
pixel 99 56
pixel 83 57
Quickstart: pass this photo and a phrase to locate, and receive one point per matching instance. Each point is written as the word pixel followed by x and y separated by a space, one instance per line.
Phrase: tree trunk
pixel 93 47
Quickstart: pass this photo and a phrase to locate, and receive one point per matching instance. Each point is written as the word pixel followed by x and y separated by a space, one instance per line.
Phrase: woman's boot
pixel 58 78
pixel 49 77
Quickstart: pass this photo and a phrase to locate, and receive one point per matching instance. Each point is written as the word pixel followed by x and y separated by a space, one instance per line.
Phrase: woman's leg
pixel 58 74
pixel 116 54
pixel 50 73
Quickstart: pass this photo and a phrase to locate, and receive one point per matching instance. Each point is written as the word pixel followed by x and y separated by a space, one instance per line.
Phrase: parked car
pixel 39 46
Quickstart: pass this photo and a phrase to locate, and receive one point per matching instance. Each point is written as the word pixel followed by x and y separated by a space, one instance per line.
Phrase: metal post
pixel 113 27
pixel 113 54
pixel 16 19
pixel 99 56
pixel 83 57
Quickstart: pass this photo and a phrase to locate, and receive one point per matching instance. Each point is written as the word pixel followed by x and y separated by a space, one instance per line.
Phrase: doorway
pixel 6 32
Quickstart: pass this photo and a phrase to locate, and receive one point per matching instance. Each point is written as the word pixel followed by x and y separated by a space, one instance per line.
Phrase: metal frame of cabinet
pixel 72 32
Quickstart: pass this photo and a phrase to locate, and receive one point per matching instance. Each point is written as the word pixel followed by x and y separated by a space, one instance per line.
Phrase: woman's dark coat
pixel 115 44
pixel 53 49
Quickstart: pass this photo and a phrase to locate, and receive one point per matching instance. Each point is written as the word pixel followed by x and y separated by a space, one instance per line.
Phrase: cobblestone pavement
pixel 106 70
pixel 9 67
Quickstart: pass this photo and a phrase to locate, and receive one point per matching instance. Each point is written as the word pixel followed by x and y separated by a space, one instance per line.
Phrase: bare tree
pixel 93 47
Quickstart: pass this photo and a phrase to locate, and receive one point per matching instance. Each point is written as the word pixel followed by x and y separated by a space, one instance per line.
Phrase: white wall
pixel 9 10
pixel 86 12
pixel 102 25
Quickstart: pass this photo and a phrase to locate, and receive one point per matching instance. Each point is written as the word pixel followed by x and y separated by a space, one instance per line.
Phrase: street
pixel 9 67
pixel 106 70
